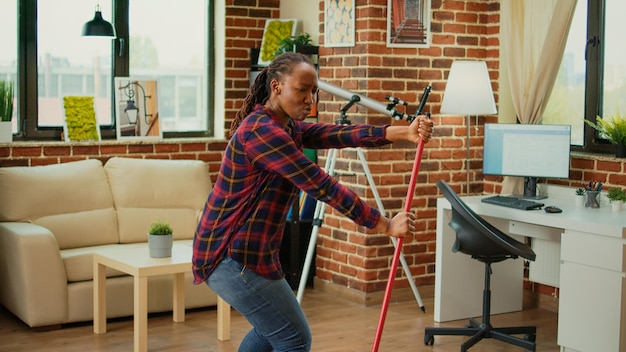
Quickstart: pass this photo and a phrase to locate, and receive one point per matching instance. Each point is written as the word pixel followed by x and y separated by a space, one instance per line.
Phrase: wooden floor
pixel 337 325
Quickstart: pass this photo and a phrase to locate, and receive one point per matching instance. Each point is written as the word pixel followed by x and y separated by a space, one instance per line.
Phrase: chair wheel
pixel 429 340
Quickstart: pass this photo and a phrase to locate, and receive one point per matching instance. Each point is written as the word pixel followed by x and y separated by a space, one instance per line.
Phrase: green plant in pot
pixel 616 194
pixel 160 239
pixel 6 111
pixel 289 44
pixel 614 129
pixel 617 197
pixel 580 196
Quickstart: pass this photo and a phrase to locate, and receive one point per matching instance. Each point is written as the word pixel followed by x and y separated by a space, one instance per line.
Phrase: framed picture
pixel 339 17
pixel 137 109
pixel 275 31
pixel 408 23
pixel 80 122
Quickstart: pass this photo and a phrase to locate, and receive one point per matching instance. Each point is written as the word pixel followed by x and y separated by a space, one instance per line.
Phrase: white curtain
pixel 533 36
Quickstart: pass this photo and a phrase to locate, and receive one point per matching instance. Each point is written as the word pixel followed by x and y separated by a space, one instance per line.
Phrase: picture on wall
pixel 408 23
pixel 339 23
pixel 80 122
pixel 137 109
pixel 275 31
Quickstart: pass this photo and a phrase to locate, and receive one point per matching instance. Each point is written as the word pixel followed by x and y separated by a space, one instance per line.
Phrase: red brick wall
pixel 45 153
pixel 350 257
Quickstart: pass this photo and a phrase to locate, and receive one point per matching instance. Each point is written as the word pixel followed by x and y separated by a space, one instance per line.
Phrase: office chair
pixel 483 242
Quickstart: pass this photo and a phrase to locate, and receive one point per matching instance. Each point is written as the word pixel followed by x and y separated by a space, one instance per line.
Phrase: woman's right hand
pixel 401 225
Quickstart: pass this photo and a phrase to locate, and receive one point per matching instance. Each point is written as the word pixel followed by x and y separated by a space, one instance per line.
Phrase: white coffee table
pixel 137 262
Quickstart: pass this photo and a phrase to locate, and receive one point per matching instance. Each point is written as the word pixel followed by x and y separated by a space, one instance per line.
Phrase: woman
pixel 237 243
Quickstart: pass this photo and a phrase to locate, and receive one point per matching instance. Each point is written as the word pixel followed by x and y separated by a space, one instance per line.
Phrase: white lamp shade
pixel 468 91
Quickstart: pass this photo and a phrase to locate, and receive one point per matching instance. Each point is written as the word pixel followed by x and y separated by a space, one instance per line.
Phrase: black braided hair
pixel 281 66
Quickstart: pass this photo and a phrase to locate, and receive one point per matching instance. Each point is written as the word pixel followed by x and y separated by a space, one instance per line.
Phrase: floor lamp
pixel 468 92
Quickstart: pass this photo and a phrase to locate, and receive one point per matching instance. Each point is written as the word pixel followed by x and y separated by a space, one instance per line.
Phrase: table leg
pixel 223 320
pixel 99 299
pixel 141 314
pixel 179 297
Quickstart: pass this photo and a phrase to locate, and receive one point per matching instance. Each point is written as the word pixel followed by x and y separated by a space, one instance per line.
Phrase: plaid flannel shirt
pixel 262 169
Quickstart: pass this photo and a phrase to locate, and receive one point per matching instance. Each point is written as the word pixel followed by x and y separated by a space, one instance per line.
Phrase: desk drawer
pixel 593 250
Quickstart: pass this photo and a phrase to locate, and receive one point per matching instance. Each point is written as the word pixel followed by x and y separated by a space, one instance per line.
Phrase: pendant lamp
pixel 98 27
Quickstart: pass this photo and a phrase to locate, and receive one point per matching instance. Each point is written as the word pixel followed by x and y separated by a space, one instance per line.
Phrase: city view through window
pixel 173 52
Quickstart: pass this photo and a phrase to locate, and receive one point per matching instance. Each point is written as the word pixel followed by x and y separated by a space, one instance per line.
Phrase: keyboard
pixel 513 202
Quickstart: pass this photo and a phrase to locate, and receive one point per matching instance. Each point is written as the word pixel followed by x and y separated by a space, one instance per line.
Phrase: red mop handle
pixel 398 251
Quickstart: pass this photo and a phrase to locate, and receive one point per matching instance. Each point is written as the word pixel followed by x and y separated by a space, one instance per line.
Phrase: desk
pixel 592 303
pixel 136 261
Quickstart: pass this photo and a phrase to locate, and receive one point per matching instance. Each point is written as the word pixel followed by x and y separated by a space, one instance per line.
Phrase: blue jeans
pixel 269 305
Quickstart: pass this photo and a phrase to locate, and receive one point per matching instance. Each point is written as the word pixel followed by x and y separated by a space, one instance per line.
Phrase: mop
pixel 398 250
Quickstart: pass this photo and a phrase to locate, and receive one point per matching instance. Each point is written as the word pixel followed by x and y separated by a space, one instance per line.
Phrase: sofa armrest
pixel 34 283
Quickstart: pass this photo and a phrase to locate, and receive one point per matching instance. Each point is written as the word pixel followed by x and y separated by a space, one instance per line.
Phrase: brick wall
pixel 46 153
pixel 351 257
pixel 352 260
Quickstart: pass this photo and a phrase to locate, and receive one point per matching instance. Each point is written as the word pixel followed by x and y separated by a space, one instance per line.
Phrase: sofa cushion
pixel 78 263
pixel 146 190
pixel 72 200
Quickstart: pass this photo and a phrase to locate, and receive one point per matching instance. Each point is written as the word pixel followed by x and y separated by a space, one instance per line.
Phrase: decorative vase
pixel 579 200
pixel 620 150
pixel 160 245
pixel 592 199
pixel 6 132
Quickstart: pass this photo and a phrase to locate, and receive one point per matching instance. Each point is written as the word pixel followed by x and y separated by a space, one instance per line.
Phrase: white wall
pixel 307 14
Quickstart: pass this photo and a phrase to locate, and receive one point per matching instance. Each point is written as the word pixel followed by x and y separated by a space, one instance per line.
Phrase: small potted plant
pixel 160 239
pixel 580 196
pixel 6 111
pixel 291 44
pixel 614 129
pixel 616 196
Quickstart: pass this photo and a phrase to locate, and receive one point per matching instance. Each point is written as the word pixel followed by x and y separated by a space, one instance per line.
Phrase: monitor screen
pixel 529 151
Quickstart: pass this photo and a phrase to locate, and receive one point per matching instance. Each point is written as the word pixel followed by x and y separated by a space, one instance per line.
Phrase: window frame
pixel 28 73
pixel 594 52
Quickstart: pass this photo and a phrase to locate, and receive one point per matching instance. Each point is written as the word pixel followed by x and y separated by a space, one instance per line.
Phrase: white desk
pixel 592 303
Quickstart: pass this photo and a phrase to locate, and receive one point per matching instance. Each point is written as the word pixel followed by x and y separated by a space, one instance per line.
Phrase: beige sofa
pixel 54 217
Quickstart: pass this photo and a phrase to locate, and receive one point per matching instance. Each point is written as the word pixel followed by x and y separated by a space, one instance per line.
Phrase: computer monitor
pixel 529 151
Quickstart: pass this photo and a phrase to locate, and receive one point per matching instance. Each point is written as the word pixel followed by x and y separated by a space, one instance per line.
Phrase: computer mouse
pixel 552 209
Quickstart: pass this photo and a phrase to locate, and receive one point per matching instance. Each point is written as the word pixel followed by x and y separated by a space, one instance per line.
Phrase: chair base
pixel 482 331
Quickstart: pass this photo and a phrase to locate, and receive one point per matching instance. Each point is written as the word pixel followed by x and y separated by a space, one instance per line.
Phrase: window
pixel 156 39
pixel 592 74
pixel 172 54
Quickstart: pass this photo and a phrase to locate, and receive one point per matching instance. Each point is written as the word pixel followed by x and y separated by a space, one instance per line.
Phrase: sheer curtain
pixel 533 36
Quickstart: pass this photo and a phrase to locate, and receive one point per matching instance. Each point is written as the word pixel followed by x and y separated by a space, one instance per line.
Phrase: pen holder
pixel 592 199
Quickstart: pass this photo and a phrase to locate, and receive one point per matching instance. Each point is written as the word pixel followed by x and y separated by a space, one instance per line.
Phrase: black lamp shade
pixel 98 27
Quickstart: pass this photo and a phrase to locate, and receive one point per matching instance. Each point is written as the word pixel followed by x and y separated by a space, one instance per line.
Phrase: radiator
pixel 546 242
pixel 546 267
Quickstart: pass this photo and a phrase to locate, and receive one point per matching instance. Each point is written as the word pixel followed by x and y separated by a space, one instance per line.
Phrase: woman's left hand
pixel 421 127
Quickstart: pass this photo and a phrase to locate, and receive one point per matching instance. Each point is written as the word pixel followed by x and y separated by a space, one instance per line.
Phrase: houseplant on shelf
pixel 614 129
pixel 289 44
pixel 617 197
pixel 160 238
pixel 6 111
